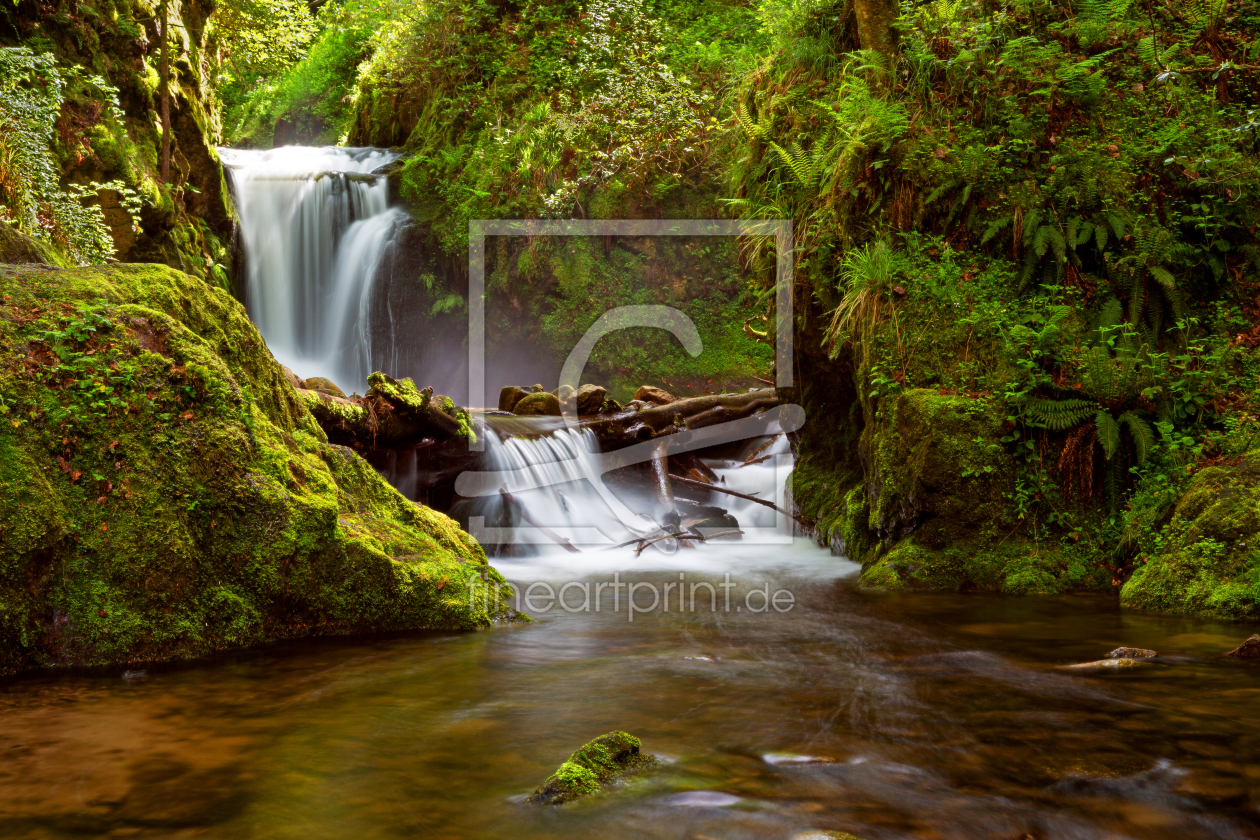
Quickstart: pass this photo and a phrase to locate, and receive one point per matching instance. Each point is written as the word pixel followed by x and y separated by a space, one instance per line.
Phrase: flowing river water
pixel 782 700
pixel 890 716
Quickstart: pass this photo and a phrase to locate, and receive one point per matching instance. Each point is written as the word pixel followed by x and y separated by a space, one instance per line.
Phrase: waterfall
pixel 556 477
pixel 317 227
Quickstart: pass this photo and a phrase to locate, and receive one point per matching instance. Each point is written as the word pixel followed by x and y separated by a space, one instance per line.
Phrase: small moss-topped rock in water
pixel 164 492
pixel 593 767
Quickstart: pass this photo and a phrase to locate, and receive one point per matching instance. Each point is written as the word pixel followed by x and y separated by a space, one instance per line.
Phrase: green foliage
pixel 32 197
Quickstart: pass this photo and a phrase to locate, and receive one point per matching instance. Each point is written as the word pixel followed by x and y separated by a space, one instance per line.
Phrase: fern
pixel 1108 433
pixel 1057 415
pixel 753 129
pixel 804 165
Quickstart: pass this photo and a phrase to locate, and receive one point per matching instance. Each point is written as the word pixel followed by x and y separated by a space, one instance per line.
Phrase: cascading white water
pixel 316 225
pixel 557 478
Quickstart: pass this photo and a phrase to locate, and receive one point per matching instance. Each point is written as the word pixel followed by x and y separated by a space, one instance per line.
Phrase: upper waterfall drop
pixel 316 226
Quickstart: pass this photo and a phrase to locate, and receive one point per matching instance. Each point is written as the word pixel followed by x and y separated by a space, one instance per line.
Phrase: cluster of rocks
pixel 586 401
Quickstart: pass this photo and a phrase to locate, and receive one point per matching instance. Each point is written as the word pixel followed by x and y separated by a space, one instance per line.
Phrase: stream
pixel 890 716
pixel 780 697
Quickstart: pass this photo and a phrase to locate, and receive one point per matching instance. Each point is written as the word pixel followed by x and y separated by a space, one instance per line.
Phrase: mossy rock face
pixel 592 768
pixel 1210 565
pixel 17 247
pixel 165 493
pixel 536 405
pixel 933 509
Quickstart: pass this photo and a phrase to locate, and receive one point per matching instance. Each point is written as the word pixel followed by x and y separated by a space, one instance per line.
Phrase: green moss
pixel 165 493
pixel 1210 562
pixel 593 766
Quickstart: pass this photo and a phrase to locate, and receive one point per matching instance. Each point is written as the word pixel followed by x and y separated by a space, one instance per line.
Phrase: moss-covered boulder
pixel 938 504
pixel 594 766
pixel 164 492
pixel 17 247
pixel 1210 562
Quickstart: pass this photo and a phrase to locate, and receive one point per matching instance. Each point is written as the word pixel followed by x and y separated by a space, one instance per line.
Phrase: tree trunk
pixel 876 21
pixel 164 88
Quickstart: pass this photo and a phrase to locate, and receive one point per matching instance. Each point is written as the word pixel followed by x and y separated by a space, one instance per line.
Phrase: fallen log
pixel 629 427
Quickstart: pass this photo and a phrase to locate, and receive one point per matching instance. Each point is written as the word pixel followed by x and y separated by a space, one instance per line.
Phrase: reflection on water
pixel 926 716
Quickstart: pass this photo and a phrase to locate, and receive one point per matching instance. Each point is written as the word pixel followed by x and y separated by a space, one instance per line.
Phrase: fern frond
pixel 1140 430
pixel 995 228
pixel 1164 277
pixel 1057 415
pixel 753 129
pixel 1108 433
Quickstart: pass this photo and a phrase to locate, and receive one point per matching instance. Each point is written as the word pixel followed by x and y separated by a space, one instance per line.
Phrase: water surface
pixel 911 716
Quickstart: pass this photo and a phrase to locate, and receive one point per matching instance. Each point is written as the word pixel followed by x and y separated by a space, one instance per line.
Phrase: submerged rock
pixel 537 405
pixel 1102 665
pixel 593 767
pixel 647 393
pixel 1131 653
pixel 1249 649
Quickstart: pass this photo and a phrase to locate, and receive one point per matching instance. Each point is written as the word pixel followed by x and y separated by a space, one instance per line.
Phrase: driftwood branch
pixel 512 500
pixel 688 482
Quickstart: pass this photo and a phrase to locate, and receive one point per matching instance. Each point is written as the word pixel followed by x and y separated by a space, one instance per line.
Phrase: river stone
pixel 1249 649
pixel 565 394
pixel 324 386
pixel 590 399
pixel 610 406
pixel 1131 653
pixel 510 396
pixel 536 405
pixel 647 393
pixel 593 767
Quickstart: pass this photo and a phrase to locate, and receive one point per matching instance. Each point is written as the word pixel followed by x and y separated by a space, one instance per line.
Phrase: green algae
pixel 165 493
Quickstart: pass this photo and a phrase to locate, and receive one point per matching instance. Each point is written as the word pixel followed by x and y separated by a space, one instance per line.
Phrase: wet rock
pixel 510 396
pixel 324 386
pixel 825 835
pixel 1249 649
pixel 537 405
pixel 610 406
pixel 593 767
pixel 565 394
pixel 590 399
pixel 293 378
pixel 647 393
pixel 1102 665
pixel 1131 653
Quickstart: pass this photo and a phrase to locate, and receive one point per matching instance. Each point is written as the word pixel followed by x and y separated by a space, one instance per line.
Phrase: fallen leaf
pixel 187 415
pixel 74 476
